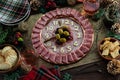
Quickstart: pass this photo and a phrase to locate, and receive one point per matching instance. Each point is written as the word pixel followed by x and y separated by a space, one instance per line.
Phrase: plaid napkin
pixel 43 73
pixel 13 10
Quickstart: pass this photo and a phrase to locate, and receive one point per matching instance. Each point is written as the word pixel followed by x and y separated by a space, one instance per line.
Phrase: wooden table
pixel 92 71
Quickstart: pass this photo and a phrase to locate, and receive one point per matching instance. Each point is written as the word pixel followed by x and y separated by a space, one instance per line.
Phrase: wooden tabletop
pixel 92 71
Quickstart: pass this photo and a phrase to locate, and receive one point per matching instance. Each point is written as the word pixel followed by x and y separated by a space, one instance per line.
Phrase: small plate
pixel 17 62
pixel 107 57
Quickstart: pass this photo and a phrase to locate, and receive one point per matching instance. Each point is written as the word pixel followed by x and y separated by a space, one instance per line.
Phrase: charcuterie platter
pixel 62 36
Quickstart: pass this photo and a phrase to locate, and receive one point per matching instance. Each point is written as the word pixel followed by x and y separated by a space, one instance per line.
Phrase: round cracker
pixel 10 52
pixel 11 59
pixel 2 59
pixel 5 66
pixel 6 48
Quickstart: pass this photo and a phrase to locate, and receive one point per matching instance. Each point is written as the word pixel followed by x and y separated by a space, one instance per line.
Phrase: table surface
pixel 92 71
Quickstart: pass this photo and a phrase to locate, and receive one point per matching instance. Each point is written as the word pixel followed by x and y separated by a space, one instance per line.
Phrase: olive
pixel 63 40
pixel 60 31
pixel 65 27
pixel 57 36
pixel 66 33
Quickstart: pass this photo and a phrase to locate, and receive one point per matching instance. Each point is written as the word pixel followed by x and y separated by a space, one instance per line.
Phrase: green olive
pixel 65 27
pixel 66 33
pixel 57 36
pixel 63 40
pixel 60 31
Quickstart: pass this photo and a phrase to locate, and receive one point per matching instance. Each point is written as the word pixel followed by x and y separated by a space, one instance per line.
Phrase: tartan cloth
pixel 13 10
pixel 43 73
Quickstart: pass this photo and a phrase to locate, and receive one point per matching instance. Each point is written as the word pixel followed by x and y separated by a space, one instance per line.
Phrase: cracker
pixel 105 52
pixel 115 53
pixel 1 59
pixel 5 66
pixel 6 49
pixel 11 59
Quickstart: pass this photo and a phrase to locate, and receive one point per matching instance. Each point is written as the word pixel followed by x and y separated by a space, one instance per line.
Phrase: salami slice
pixel 65 59
pixel 88 25
pixel 39 49
pixel 44 52
pixel 52 57
pixel 75 57
pixel 53 13
pixel 79 53
pixel 45 18
pixel 84 49
pixel 41 22
pixel 64 11
pixel 70 57
pixel 58 59
pixel 48 15
pixel 58 11
pixel 36 45
pixel 47 56
pixel 36 40
pixel 90 31
pixel 69 11
pixel 36 30
pixel 35 35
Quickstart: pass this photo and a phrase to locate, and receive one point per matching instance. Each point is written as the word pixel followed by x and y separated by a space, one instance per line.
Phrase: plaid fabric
pixel 43 73
pixel 13 10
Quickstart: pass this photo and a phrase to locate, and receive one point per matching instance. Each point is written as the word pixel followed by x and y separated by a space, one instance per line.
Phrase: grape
pixel 57 36
pixel 63 40
pixel 60 31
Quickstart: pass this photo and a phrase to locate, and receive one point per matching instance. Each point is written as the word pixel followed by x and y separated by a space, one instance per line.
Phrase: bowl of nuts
pixel 109 48
pixel 9 58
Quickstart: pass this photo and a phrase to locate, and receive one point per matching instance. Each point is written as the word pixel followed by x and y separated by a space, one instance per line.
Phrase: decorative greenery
pixel 67 76
pixel 112 34
pixel 99 14
pixel 3 34
pixel 14 75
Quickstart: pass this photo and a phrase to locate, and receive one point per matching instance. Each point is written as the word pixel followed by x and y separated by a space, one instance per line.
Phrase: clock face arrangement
pixel 62 36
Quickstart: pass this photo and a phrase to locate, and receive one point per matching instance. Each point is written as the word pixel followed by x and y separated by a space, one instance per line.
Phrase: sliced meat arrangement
pixel 64 49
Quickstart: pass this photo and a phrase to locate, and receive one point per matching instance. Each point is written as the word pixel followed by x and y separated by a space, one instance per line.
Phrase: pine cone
pixel 113 67
pixel 35 4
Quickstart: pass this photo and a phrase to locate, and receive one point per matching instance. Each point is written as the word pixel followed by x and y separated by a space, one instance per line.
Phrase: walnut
pixel 35 4
pixel 113 67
